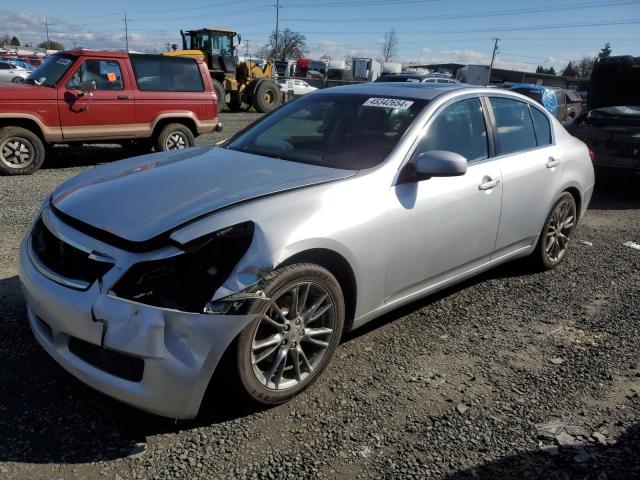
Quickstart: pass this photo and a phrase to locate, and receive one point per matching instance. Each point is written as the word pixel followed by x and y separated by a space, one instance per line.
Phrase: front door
pixel 445 226
pixel 108 113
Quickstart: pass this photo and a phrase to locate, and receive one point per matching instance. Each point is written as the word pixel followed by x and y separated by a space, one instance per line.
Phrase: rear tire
pixel 266 97
pixel 174 136
pixel 314 329
pixel 555 237
pixel 220 93
pixel 17 80
pixel 21 151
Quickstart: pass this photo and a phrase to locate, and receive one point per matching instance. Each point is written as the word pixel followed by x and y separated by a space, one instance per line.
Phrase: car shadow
pixel 512 269
pixel 593 462
pixel 64 156
pixel 48 416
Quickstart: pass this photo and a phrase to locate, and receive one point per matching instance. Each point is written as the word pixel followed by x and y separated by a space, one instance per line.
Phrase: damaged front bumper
pixel 159 360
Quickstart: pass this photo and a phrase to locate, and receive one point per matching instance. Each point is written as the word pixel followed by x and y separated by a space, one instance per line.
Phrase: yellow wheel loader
pixel 236 83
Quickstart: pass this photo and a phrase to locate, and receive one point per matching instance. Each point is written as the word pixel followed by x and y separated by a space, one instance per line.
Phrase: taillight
pixel 592 155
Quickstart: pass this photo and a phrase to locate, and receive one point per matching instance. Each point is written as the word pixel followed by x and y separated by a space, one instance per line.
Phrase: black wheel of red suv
pixel 174 136
pixel 21 151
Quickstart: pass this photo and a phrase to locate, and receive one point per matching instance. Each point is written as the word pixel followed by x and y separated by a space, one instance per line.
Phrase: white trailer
pixel 474 74
pixel 365 69
pixel 391 67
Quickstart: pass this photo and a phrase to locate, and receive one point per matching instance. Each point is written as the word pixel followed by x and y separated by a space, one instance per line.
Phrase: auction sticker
pixel 388 103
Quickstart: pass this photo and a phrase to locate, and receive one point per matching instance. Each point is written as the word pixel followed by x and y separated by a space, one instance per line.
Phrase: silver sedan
pixel 144 276
pixel 12 73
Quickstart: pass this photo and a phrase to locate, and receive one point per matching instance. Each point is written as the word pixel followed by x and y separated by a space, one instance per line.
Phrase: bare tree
pixel 390 45
pixel 291 45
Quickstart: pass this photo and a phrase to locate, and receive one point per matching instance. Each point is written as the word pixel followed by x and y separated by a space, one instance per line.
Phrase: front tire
pixel 21 151
pixel 266 97
pixel 286 348
pixel 174 136
pixel 556 234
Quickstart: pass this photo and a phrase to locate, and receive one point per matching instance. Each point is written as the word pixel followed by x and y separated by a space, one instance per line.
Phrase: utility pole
pixel 46 26
pixel 277 5
pixel 493 57
pixel 126 31
pixel 247 48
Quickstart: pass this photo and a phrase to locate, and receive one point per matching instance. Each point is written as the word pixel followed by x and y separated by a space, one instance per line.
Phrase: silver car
pixel 144 276
pixel 12 73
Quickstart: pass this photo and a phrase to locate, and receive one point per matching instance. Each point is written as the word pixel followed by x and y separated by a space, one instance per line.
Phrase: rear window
pixel 515 127
pixel 157 73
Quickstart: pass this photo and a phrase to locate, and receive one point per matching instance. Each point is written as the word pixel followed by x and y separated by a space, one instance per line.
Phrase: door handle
pixel 553 162
pixel 488 183
pixel 123 97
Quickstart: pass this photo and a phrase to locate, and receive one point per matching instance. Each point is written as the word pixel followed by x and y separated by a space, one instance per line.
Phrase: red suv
pixel 138 100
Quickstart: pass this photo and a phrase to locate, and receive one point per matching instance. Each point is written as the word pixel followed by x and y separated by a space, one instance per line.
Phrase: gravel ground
pixel 512 375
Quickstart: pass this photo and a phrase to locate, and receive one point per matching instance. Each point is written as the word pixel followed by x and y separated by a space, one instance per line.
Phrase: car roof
pixel 415 90
pixel 95 53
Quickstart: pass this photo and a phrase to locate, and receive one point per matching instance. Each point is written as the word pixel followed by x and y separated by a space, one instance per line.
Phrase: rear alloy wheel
pixel 21 151
pixel 556 234
pixel 174 136
pixel 297 331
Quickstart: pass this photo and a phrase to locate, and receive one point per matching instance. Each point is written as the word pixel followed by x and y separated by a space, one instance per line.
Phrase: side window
pixel 514 125
pixel 459 128
pixel 5 66
pixel 542 127
pixel 106 74
pixel 156 73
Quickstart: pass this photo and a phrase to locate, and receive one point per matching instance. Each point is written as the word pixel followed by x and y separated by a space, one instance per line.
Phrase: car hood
pixel 25 91
pixel 141 198
pixel 614 82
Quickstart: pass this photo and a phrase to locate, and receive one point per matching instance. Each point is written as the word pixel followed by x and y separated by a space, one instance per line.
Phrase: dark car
pixel 610 126
pixel 401 77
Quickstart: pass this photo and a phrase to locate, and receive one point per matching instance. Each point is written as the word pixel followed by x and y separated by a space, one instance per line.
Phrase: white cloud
pixel 29 28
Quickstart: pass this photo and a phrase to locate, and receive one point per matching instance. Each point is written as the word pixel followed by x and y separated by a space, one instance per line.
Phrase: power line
pixel 488 30
pixel 126 31
pixel 277 5
pixel 496 13
pixel 493 57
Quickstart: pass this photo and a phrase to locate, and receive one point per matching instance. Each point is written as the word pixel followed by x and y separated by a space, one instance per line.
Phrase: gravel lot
pixel 511 375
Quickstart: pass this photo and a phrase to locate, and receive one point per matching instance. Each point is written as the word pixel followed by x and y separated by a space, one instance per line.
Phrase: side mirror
pixel 439 163
pixel 88 87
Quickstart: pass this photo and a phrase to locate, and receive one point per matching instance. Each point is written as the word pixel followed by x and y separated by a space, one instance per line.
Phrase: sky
pixel 545 32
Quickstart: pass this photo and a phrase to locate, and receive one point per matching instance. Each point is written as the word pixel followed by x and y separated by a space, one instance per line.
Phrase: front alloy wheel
pixel 294 336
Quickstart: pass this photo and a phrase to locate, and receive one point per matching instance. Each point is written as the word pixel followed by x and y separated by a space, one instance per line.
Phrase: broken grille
pixel 63 262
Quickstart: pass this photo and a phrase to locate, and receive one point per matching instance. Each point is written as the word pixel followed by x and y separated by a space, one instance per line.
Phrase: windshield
pixel 344 131
pixel 51 71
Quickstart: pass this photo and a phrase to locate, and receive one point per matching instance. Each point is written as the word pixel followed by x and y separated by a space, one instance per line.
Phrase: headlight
pixel 187 281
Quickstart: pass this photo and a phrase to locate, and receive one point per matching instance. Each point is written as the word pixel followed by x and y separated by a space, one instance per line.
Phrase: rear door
pixel 108 113
pixel 531 170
